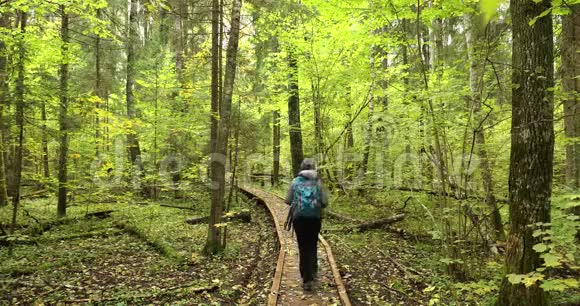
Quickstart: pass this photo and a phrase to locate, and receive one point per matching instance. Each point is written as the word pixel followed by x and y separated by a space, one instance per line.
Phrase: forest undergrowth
pixel 406 264
pixel 134 252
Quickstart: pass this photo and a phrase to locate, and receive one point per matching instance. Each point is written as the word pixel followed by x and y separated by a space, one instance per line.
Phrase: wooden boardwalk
pixel 287 284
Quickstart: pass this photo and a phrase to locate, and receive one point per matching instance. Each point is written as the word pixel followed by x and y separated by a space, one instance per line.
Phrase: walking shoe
pixel 308 286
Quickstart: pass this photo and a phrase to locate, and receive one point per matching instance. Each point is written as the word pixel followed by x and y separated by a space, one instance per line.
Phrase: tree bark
pixel 44 142
pixel 348 168
pixel 98 89
pixel 19 117
pixel 276 147
pixel 369 125
pixel 214 234
pixel 378 223
pixel 368 138
pixel 571 86
pixel 296 151
pixel 214 241
pixel 132 141
pixel 4 23
pixel 63 115
pixel 474 39
pixel 532 146
pixel 234 163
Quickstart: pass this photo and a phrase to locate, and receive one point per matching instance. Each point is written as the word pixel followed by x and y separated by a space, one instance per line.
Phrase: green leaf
pixel 488 8
pixel 540 247
pixel 543 14
pixel 515 278
pixel 551 260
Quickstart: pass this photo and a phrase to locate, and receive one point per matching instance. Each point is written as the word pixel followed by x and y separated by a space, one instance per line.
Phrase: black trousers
pixel 307 230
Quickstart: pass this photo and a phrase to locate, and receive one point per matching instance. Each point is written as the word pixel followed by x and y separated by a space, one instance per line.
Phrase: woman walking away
pixel 307 197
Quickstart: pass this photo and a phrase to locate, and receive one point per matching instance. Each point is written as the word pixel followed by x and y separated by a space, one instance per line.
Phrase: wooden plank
pixel 276 282
pixel 342 294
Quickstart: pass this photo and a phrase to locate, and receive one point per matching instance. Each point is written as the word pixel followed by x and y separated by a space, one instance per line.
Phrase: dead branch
pixel 340 217
pixel 242 216
pixel 379 223
pixel 178 207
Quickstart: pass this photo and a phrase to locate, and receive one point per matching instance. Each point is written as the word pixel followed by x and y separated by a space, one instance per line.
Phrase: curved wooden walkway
pixel 287 284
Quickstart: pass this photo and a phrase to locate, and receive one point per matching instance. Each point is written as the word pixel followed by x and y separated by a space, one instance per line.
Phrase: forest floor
pixel 143 253
pixel 408 265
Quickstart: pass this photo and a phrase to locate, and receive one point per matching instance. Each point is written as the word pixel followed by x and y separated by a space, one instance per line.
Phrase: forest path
pixel 287 283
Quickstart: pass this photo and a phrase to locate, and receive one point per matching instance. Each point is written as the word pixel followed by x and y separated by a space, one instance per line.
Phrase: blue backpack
pixel 306 198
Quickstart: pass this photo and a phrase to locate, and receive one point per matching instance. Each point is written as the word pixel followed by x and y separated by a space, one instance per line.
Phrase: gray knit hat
pixel 308 164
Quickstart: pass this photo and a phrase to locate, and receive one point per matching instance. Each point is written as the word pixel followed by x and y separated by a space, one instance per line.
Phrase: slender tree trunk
pixel 98 89
pixel 407 181
pixel 234 164
pixel 384 128
pixel 19 117
pixel 132 141
pixel 216 75
pixel 44 142
pixel 368 138
pixel 214 235
pixel 63 116
pixel 532 147
pixel 296 151
pixel 317 101
pixel 571 86
pixel 214 241
pixel 474 39
pixel 4 23
pixel 275 147
pixel 348 171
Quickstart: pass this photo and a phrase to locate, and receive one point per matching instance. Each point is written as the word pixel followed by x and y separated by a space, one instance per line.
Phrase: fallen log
pixel 35 194
pixel 178 207
pixel 447 194
pixel 379 223
pixel 99 214
pixel 340 217
pixel 243 216
pixel 197 220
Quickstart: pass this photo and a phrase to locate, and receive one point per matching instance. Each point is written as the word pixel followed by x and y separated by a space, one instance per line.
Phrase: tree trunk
pixel 368 138
pixel 214 234
pixel 132 141
pixel 98 89
pixel 63 116
pixel 4 23
pixel 383 130
pixel 234 163
pixel 474 39
pixel 407 181
pixel 276 147
pixel 44 142
pixel 19 118
pixel 214 242
pixel 571 86
pixel 296 151
pixel 317 102
pixel 348 169
pixel 532 146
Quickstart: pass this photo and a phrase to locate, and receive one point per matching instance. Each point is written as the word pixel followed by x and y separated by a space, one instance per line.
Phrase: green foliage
pixel 558 248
